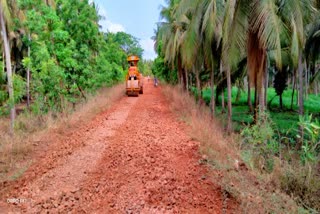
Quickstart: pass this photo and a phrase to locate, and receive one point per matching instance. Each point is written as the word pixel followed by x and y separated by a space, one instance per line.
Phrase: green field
pixel 285 120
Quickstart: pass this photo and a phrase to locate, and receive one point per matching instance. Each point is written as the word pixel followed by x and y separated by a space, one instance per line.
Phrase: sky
pixel 137 18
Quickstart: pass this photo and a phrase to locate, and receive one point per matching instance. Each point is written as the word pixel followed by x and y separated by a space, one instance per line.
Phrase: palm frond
pixel 234 32
pixel 267 24
pixel 6 13
pixel 210 14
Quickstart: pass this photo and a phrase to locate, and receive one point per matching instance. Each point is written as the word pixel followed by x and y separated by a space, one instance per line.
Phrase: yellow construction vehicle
pixel 134 79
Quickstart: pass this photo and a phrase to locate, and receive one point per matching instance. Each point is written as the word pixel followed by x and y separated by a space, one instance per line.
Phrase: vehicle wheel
pixel 141 91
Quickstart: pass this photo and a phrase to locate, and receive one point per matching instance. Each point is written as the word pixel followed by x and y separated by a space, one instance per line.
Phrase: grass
pixel 255 192
pixel 16 152
pixel 311 103
pixel 289 175
pixel 285 120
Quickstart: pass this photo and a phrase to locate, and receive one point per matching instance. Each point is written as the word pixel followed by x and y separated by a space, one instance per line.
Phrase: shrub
pixel 259 139
pixel 310 140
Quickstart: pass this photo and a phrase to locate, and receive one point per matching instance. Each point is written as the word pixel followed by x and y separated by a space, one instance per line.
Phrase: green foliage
pixel 161 70
pixel 2 73
pixel 19 91
pixel 19 86
pixel 310 148
pixel 69 56
pixel 129 44
pixel 120 46
pixel 260 139
pixel 147 67
pixel 285 121
pixel 2 83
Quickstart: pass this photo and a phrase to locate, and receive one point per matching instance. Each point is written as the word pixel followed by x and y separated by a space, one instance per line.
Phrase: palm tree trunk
pixel 238 96
pixel 198 85
pixel 212 101
pixel 255 115
pixel 293 88
pixel 179 71
pixel 9 69
pixel 301 110
pixel 28 77
pixel 14 68
pixel 306 77
pixel 3 62
pixel 184 79
pixel 249 95
pixel 223 107
pixel 261 82
pixel 266 87
pixel 297 89
pixel 300 72
pixel 187 81
pixel 229 123
pixel 261 98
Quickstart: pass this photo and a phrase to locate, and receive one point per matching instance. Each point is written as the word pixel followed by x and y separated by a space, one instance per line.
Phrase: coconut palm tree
pixel 266 22
pixel 5 20
pixel 191 41
pixel 211 29
pixel 297 14
pixel 233 44
pixel 170 32
pixel 312 52
pixel 200 38
pixel 247 29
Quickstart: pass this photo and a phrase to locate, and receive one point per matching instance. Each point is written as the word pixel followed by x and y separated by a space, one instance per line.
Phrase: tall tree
pixel 298 14
pixel 5 10
pixel 233 43
pixel 171 35
pixel 244 29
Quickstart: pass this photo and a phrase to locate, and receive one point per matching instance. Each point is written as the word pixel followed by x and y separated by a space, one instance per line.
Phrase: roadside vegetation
pixel 255 65
pixel 55 64
pixel 32 131
pixel 57 55
pixel 251 190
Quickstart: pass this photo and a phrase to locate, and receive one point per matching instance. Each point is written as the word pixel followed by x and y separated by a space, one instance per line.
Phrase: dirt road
pixel 134 158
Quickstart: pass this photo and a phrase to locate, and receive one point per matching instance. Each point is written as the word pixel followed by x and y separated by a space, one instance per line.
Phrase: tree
pixel 199 35
pixel 280 84
pixel 4 10
pixel 170 38
pixel 59 44
pixel 312 53
pixel 296 15
pixel 129 44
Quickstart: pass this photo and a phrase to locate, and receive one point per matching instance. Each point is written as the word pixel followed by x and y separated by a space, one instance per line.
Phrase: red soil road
pixel 134 158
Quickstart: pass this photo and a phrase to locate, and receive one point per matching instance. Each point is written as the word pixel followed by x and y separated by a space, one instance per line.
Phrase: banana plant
pixel 311 138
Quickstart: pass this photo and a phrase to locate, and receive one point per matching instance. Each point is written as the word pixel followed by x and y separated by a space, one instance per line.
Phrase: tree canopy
pixel 59 46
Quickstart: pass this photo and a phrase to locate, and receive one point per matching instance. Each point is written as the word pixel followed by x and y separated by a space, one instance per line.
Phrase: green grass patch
pixel 285 120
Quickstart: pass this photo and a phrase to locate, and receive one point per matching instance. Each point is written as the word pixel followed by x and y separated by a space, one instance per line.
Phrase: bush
pixel 259 140
pixel 310 140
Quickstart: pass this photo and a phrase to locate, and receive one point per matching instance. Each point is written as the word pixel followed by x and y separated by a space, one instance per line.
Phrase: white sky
pixel 137 18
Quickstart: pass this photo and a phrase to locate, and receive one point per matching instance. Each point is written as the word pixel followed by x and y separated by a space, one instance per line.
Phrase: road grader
pixel 134 79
